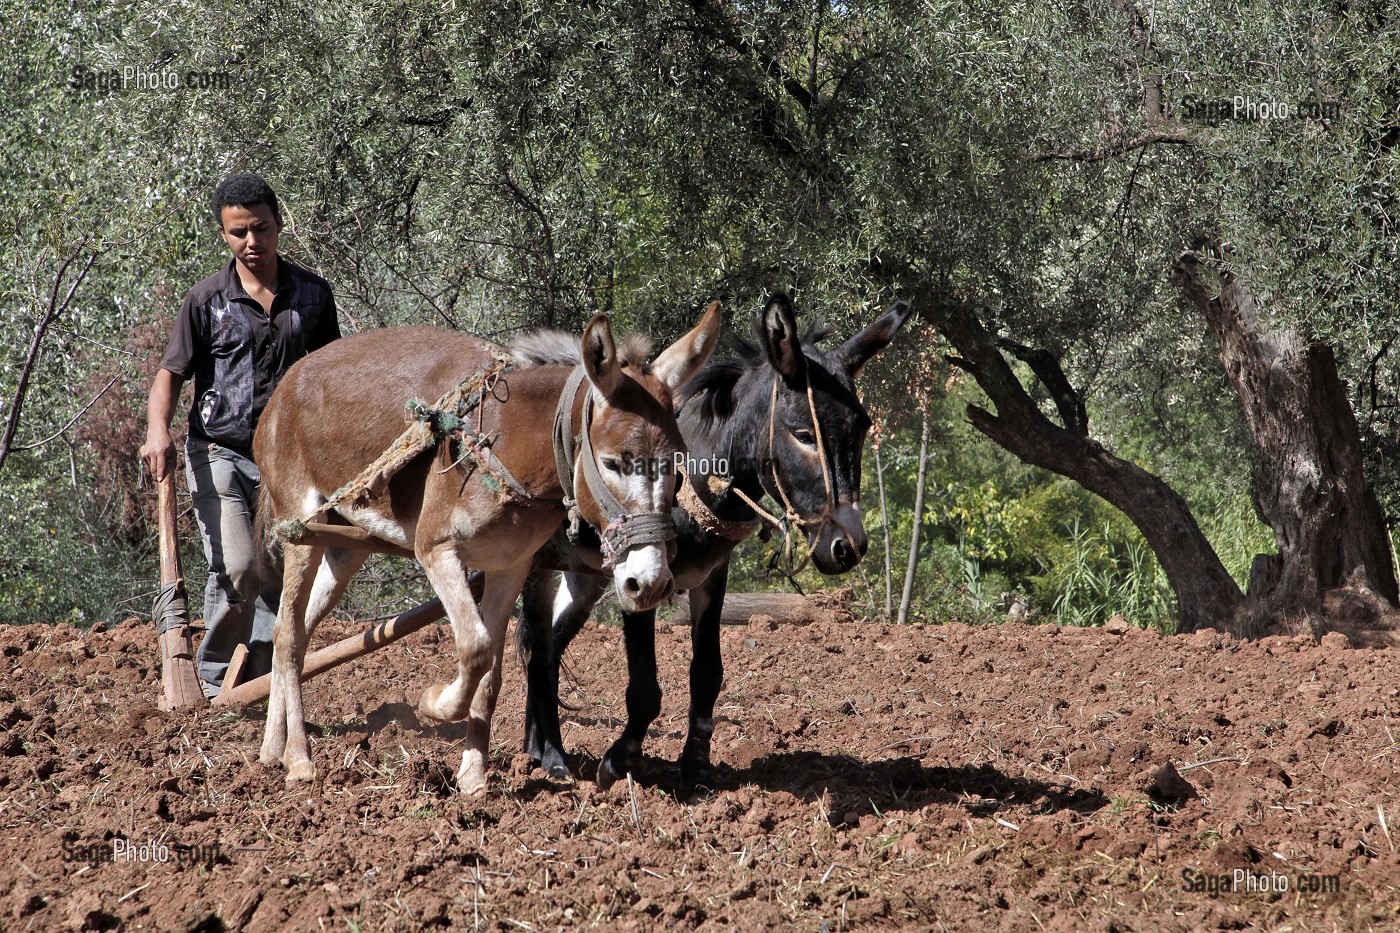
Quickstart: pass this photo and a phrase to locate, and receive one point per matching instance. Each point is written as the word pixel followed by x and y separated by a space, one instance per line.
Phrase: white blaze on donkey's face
pixel 642 574
pixel 637 466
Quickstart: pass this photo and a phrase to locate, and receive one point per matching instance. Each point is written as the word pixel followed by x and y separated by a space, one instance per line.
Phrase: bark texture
pixel 1206 593
pixel 1311 488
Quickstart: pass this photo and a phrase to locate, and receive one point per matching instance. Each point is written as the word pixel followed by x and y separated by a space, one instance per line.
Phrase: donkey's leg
pixel 496 604
pixel 480 638
pixel 578 594
pixel 706 676
pixel 543 651
pixel 536 656
pixel 332 575
pixel 643 697
pixel 286 730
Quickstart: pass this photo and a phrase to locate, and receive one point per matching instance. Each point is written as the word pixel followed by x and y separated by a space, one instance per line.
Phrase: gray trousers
pixel 238 607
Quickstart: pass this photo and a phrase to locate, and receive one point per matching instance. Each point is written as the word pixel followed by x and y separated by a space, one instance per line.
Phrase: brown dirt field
pixel 873 777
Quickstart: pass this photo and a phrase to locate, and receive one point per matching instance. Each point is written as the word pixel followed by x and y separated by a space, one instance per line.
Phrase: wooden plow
pixel 355 646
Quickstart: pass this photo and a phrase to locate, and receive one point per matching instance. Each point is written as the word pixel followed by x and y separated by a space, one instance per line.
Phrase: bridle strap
pixel 623 530
pixel 791 518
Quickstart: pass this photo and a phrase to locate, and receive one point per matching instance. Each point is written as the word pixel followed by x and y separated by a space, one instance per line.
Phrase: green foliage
pixel 493 167
pixel 56 562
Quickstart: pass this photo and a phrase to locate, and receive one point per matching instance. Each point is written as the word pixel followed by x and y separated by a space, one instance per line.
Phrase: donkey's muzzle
pixel 841 541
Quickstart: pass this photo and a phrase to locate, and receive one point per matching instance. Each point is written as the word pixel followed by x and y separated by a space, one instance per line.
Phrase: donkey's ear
pixel 683 359
pixel 854 353
pixel 779 332
pixel 600 360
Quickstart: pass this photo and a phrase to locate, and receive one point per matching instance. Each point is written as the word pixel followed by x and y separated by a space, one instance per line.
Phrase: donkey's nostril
pixel 670 588
pixel 863 546
pixel 631 587
pixel 840 550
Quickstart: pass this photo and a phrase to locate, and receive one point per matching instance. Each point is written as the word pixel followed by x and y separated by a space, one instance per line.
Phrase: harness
pixel 791 518
pixel 689 499
pixel 450 418
pixel 623 530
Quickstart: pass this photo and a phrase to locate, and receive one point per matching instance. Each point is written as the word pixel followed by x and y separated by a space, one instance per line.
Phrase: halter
pixel 791 517
pixel 624 530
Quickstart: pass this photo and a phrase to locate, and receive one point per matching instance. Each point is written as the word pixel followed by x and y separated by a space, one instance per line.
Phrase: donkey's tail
pixel 266 542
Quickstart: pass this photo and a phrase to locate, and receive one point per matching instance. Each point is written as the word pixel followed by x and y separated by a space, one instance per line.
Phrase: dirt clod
pixel 867 777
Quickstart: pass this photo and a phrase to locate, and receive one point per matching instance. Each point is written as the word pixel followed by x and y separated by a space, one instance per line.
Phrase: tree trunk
pixel 911 570
pixel 1310 487
pixel 1206 594
pixel 785 608
pixel 885 527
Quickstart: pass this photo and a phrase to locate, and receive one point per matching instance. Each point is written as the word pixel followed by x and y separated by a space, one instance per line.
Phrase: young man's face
pixel 251 233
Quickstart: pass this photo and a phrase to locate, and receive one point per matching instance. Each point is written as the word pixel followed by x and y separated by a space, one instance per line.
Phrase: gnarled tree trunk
pixel 1206 594
pixel 1310 488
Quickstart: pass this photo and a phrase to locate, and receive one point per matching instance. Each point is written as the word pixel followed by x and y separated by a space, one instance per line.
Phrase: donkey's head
pixel 788 412
pixel 624 481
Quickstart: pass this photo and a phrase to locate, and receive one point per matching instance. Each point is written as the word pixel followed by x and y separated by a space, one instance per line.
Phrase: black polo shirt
pixel 236 352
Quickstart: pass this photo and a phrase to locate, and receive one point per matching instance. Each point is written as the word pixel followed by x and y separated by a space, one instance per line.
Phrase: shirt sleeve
pixel 328 327
pixel 186 346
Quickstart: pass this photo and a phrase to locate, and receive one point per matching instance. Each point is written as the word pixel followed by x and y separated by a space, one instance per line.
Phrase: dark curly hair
pixel 243 190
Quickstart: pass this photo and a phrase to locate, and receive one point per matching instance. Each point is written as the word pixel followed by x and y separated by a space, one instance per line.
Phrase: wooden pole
pixel 179 680
pixel 347 649
pixel 913 566
pixel 356 646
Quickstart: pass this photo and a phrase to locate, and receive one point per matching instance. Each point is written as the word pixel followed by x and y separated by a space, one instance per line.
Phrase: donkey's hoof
pixel 471 783
pixel 300 772
pixel 270 757
pixel 608 774
pixel 430 704
pixel 551 761
pixel 697 777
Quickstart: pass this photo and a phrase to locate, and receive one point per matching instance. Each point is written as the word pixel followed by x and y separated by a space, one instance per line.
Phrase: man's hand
pixel 158 453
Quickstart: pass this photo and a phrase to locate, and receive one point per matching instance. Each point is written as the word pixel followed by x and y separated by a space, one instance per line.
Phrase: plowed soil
pixel 872 777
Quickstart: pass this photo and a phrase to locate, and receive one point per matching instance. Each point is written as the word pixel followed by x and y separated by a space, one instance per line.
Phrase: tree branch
pixel 1166 134
pixel 71 421
pixel 31 359
pixel 551 259
pixel 1048 370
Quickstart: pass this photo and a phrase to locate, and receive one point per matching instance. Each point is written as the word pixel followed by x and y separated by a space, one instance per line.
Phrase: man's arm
pixel 159 450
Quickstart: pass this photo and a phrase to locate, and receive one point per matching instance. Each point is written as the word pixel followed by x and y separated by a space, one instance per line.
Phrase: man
pixel 237 333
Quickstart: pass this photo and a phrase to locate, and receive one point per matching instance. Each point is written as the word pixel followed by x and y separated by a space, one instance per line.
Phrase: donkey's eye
pixel 805 437
pixel 611 465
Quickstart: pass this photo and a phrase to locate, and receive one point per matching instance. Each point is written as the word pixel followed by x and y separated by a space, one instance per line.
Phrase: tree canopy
pixel 1028 175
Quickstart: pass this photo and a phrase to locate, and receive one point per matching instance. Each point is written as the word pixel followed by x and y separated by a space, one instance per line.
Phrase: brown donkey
pixel 340 408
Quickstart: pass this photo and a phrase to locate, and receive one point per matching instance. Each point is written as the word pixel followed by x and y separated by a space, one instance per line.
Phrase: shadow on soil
pixel 850 786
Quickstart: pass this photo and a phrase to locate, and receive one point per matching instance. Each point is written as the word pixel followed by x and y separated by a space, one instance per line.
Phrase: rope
pixel 791 517
pixel 689 499
pixel 447 418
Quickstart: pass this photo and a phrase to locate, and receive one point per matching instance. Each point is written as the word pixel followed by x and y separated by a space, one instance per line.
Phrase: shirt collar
pixel 233 285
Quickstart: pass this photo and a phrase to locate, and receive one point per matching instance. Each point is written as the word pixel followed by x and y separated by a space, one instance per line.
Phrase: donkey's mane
pixel 559 348
pixel 713 388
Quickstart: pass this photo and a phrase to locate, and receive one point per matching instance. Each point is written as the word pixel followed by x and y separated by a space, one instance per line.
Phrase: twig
pixel 909 741
pixel 636 812
pixel 1209 761
pixel 134 891
pixel 72 421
